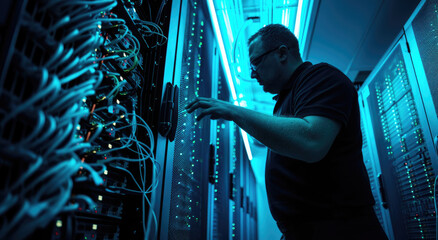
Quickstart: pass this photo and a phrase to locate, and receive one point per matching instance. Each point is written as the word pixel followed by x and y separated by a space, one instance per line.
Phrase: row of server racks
pixel 399 106
pixel 207 189
pixel 94 141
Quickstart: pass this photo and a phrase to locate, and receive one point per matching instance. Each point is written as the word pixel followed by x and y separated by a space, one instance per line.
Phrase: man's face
pixel 265 66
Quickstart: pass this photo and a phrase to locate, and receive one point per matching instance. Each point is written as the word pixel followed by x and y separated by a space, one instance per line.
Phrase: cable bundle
pixel 39 145
pixel 69 118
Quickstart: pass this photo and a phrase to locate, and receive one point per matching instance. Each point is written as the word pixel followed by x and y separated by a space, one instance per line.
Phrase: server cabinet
pixel 374 172
pixel 205 188
pixel 182 199
pixel 221 178
pixel 235 178
pixel 422 37
pixel 399 102
pixel 252 204
pixel 398 122
pixel 248 202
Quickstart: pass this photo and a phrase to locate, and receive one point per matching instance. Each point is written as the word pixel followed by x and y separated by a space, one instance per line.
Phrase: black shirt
pixel 337 183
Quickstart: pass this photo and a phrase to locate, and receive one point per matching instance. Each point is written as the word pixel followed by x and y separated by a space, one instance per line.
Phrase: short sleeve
pixel 325 92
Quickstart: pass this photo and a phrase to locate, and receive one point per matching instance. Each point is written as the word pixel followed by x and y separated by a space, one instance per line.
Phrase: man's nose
pixel 253 74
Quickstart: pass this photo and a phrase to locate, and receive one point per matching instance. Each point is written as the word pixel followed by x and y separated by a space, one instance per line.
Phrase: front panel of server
pixel 188 212
pixel 248 202
pixel 77 154
pixel 371 170
pixel 221 194
pixel 425 27
pixel 235 179
pixel 406 165
pixel 252 204
pixel 422 35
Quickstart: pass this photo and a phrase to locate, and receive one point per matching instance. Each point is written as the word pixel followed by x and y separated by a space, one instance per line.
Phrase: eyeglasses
pixel 256 62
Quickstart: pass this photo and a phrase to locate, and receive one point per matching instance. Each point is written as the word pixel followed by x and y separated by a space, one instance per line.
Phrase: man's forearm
pixel 287 136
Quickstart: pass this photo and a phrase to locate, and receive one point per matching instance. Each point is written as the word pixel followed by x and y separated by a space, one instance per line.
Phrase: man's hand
pixel 213 107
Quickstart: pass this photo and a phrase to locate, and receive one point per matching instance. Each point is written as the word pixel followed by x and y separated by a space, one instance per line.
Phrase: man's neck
pixel 293 68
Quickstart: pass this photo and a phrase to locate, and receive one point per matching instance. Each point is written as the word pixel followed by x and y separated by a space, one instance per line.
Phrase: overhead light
pixel 283 17
pixel 227 23
pixel 246 143
pixel 298 19
pixel 226 67
pixel 220 41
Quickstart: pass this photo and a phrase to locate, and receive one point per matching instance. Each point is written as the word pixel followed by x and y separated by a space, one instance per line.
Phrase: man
pixel 316 181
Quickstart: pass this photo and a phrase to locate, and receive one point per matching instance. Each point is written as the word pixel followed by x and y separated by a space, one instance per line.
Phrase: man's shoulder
pixel 326 66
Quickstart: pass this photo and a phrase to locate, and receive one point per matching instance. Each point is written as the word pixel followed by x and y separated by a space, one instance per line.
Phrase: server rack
pixel 400 115
pixel 421 33
pixel 200 194
pixel 248 199
pixel 182 199
pixel 374 171
pixel 252 204
pixel 237 225
pixel 221 182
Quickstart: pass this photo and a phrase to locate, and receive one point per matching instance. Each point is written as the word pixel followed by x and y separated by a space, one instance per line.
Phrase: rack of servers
pixel 207 189
pixel 399 103
pixel 95 143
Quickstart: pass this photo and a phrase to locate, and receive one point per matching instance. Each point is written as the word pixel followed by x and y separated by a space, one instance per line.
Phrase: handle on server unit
pixel 382 192
pixel 232 190
pixel 212 164
pixel 169 112
pixel 435 142
pixel 242 197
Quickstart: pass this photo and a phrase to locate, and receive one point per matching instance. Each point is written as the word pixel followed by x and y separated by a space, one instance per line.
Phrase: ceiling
pixel 354 35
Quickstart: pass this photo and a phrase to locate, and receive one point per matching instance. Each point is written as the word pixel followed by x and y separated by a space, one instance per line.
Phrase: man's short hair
pixel 275 35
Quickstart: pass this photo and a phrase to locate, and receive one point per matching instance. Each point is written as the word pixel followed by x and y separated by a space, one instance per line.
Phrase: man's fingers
pixel 193 107
pixel 199 104
pixel 193 102
pixel 205 113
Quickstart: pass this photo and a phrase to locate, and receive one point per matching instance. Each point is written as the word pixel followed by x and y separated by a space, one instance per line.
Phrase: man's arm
pixel 307 139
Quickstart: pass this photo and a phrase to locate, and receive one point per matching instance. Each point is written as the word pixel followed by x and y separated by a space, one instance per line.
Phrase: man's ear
pixel 283 50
